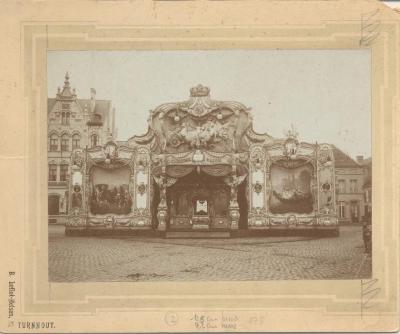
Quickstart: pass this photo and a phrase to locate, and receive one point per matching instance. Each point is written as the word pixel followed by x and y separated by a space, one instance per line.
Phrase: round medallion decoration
pixel 141 188
pixel 326 187
pixel 257 187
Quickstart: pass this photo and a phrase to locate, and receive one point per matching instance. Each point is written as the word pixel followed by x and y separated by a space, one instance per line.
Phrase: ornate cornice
pixel 258 137
pixel 198 105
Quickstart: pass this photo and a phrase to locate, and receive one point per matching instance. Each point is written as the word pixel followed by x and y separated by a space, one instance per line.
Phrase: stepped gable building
pixel 73 123
pixel 349 188
pixel 201 167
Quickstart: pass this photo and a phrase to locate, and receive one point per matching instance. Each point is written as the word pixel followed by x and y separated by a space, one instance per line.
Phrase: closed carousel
pixel 202 170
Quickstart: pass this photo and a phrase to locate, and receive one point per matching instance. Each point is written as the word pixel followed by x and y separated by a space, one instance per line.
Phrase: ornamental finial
pixel 292 133
pixel 66 82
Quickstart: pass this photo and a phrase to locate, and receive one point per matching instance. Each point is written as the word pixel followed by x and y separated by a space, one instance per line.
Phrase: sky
pixel 325 94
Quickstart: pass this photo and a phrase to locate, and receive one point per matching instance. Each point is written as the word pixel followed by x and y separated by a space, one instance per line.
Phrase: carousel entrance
pixel 198 201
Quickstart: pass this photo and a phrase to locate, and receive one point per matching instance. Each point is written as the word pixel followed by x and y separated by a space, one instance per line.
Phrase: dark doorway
pixel 155 201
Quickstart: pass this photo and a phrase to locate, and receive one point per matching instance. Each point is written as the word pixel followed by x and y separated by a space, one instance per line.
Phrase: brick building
pixel 72 123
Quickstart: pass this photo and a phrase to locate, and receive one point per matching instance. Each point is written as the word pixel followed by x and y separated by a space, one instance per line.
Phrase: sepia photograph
pixel 211 165
pixel 200 166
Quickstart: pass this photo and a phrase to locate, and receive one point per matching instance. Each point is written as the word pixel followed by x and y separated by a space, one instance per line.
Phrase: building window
pixel 76 139
pixel 367 196
pixel 353 186
pixel 65 118
pixel 94 140
pixel 63 172
pixel 367 210
pixel 354 212
pixel 52 172
pixel 66 106
pixel 64 143
pixel 342 186
pixel 341 210
pixel 53 143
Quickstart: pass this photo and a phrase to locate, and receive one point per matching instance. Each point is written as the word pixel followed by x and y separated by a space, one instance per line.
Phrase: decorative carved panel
pixel 257 179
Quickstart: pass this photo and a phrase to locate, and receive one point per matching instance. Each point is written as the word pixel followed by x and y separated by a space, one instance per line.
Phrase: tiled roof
pixel 342 160
pixel 366 162
pixel 102 107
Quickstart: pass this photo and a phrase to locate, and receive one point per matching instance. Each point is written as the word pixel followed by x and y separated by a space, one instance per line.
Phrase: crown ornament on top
pixel 199 90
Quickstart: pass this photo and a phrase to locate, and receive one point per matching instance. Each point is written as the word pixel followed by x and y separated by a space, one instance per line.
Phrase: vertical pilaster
pixel 162 206
pixel 234 213
pixel 259 184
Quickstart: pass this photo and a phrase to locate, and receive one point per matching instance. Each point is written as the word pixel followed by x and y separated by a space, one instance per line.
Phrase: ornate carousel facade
pixel 201 167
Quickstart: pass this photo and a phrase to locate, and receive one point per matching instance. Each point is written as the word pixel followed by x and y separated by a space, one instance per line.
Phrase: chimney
pixel 360 159
pixel 92 99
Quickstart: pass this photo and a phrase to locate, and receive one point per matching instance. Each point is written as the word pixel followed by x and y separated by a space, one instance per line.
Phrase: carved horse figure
pixel 202 135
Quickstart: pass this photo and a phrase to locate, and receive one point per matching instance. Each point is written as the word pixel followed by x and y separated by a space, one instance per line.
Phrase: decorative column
pixel 77 194
pixel 234 213
pixel 162 206
pixel 259 187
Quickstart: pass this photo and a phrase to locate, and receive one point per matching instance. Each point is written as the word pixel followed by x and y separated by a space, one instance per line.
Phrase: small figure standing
pixel 367 233
pixel 77 197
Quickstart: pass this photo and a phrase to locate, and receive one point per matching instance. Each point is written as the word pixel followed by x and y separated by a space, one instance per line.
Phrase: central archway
pixel 198 201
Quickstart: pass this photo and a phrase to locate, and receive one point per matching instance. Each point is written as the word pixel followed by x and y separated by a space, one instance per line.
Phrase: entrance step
pixel 196 234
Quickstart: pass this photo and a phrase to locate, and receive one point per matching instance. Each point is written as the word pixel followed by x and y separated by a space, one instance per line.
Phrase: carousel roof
pixel 200 123
pixel 199 104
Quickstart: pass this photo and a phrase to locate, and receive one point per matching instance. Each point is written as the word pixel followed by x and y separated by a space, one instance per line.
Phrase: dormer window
pixel 65 116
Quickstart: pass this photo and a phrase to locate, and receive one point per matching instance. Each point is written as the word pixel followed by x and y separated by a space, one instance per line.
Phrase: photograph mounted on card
pixel 191 166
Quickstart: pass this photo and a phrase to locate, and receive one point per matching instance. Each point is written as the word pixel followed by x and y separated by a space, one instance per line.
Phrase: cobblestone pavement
pixel 100 258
